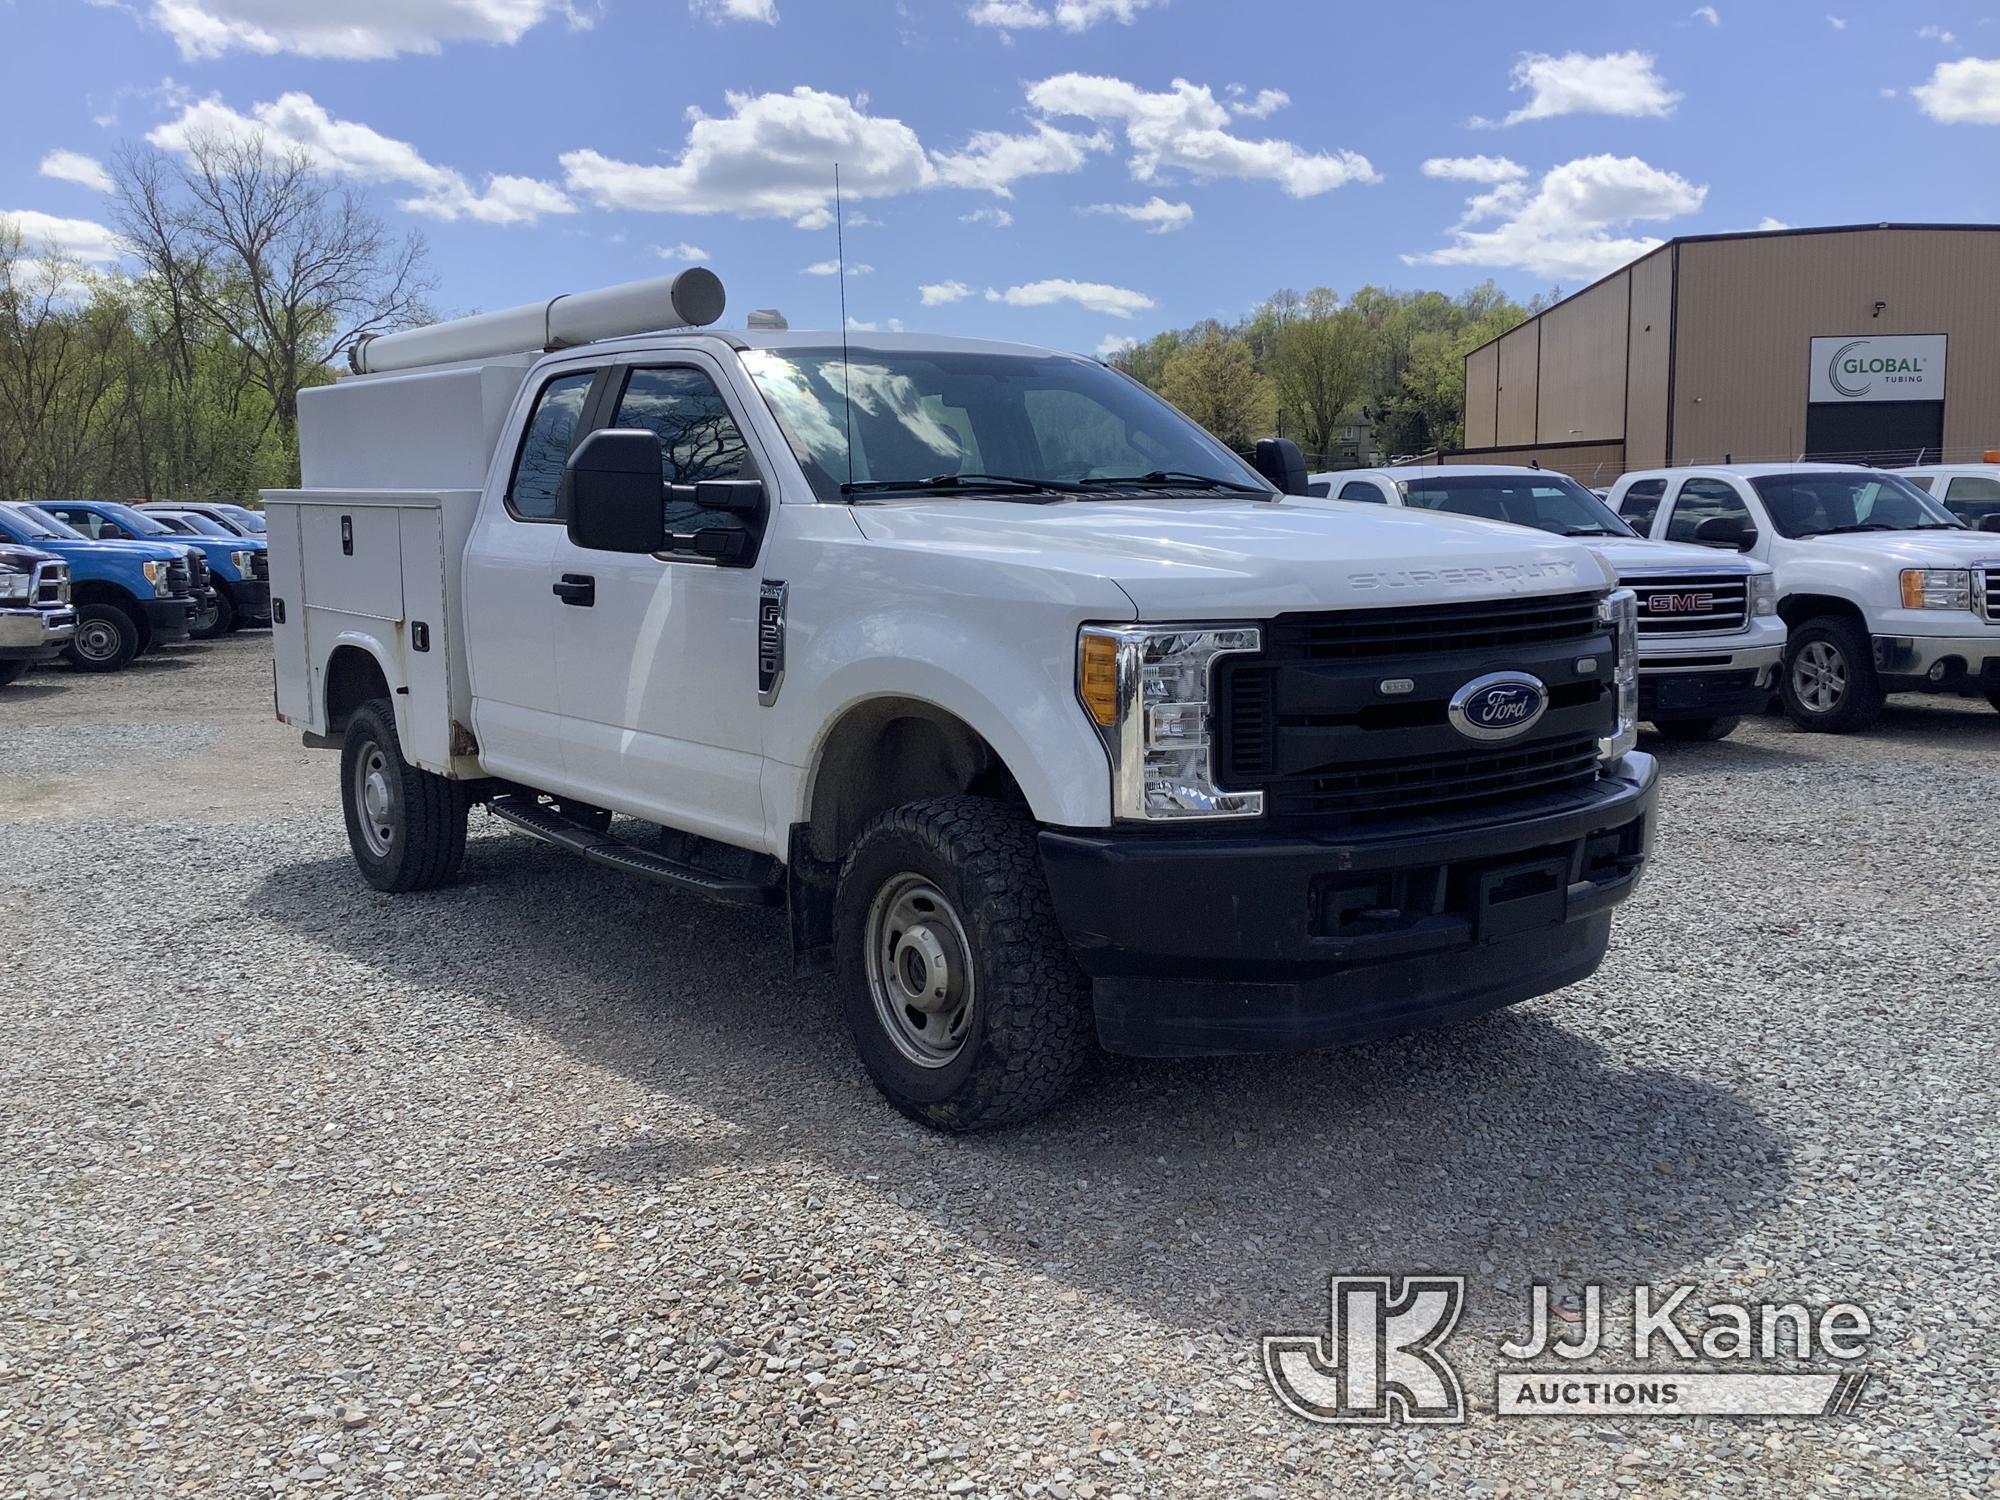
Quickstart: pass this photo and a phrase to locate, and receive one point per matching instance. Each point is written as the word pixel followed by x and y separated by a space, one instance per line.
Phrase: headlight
pixel 157 576
pixel 1146 689
pixel 15 585
pixel 1763 595
pixel 241 562
pixel 1937 588
pixel 1620 610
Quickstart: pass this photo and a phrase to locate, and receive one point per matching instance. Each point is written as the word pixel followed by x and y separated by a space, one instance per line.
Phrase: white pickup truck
pixel 1881 588
pixel 1710 639
pixel 1014 687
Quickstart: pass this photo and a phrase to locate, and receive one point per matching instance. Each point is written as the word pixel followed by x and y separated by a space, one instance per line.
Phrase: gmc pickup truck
pixel 1709 634
pixel 1042 720
pixel 1883 590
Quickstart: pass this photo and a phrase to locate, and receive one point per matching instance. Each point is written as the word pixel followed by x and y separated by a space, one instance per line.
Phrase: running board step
pixel 600 848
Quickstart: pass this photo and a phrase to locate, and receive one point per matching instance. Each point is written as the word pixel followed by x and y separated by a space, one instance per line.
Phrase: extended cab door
pixel 657 654
pixel 1702 499
pixel 510 614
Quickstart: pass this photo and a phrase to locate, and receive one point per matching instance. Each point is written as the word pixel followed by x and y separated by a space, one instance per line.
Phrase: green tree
pixel 1216 383
pixel 1320 358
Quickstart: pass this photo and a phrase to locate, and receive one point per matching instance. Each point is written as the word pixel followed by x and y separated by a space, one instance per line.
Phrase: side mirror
pixel 1279 460
pixel 611 496
pixel 1725 531
pixel 739 497
pixel 1990 521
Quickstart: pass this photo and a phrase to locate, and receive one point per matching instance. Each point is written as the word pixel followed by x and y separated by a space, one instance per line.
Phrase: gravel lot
pixel 551 1183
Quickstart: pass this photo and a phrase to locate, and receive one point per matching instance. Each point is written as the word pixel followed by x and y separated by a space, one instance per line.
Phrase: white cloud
pixel 1937 34
pixel 1767 224
pixel 939 293
pixel 81 239
pixel 832 268
pixel 1838 23
pixel 1707 13
pixel 894 325
pixel 1966 92
pixel 1183 129
pixel 683 253
pixel 1117 301
pixel 1564 227
pixel 1267 103
pixel 350 149
pixel 999 218
pixel 1617 83
pixel 1158 215
pixel 1489 169
pixel 74 166
pixel 1114 344
pixel 1070 15
pixel 993 160
pixel 736 10
pixel 351 28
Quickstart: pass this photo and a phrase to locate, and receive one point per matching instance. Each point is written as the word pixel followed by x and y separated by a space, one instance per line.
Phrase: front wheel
pixel 214 620
pixel 106 639
pixel 406 826
pixel 1696 729
pixel 966 1005
pixel 1830 686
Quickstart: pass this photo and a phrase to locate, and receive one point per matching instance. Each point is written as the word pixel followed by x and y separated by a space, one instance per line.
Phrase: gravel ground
pixel 554 1184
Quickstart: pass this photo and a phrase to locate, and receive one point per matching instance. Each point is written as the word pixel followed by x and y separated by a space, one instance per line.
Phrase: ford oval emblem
pixel 1499 706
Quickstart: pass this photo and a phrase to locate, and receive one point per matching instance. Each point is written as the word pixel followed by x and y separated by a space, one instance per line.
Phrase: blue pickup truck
pixel 36 620
pixel 239 567
pixel 129 596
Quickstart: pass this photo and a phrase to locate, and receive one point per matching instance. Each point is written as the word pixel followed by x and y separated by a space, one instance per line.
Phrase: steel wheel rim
pixel 96 640
pixel 374 799
pixel 205 617
pixel 1819 676
pixel 920 971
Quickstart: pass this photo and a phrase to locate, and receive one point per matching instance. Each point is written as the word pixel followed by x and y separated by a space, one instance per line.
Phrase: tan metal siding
pixel 1647 344
pixel 1595 465
pixel 1749 309
pixel 1482 382
pixel 1517 385
pixel 1580 390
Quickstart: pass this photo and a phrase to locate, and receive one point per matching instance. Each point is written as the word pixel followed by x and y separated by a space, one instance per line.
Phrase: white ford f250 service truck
pixel 1882 589
pixel 1710 638
pixel 1011 684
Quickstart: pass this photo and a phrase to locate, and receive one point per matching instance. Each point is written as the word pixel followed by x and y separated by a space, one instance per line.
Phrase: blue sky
pixel 1067 172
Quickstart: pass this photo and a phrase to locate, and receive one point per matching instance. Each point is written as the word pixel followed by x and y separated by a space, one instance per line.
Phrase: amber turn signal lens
pixel 1097 678
pixel 1913 589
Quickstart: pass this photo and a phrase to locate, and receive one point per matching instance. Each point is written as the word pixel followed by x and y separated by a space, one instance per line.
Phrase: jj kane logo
pixel 1381 1358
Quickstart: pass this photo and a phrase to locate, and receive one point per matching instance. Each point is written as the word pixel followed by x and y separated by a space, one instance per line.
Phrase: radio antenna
pixel 840 258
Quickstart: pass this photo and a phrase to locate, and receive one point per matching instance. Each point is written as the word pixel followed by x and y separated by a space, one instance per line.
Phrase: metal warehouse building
pixel 1873 343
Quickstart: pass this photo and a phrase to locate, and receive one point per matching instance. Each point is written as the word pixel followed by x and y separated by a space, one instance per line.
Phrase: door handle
pixel 579 589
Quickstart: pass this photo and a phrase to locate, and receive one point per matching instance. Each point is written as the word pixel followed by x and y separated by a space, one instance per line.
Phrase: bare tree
pixel 264 247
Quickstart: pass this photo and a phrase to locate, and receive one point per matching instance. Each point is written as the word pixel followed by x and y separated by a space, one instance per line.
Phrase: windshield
pixel 39 523
pixel 244 518
pixel 135 522
pixel 1826 503
pixel 1547 502
pixel 188 522
pixel 1016 421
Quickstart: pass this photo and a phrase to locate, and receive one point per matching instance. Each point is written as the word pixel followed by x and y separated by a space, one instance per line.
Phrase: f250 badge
pixel 771 640
pixel 1498 706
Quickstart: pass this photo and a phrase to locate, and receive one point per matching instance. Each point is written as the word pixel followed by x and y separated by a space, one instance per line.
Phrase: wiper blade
pixel 1012 484
pixel 1598 531
pixel 1174 478
pixel 1848 530
pixel 1938 526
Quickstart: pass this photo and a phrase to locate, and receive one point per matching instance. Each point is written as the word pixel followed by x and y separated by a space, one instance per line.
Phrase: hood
pixel 143 551
pixel 1913 549
pixel 24 558
pixel 224 545
pixel 1222 557
pixel 1630 554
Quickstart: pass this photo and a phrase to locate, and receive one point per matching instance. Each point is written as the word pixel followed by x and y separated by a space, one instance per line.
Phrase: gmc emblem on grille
pixel 1498 706
pixel 1680 604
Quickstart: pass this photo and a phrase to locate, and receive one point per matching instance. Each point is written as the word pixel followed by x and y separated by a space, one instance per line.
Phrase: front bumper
pixel 1939 663
pixel 252 598
pixel 170 619
pixel 35 634
pixel 1709 685
pixel 1221 943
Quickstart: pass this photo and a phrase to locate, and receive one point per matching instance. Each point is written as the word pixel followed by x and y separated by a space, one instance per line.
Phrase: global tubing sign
pixel 1893 367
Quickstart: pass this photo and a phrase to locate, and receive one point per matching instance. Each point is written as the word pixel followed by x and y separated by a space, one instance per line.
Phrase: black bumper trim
pixel 170 619
pixel 1706 695
pixel 251 598
pixel 1205 943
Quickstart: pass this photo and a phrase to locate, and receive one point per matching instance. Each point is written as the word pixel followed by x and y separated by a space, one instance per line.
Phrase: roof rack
pixel 692 299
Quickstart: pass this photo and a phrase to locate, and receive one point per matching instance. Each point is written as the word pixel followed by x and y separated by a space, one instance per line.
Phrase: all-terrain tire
pixel 1030 1031
pixel 1831 644
pixel 405 825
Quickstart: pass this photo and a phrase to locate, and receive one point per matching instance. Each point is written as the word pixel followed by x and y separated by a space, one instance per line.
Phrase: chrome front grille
pixel 1987 590
pixel 52 585
pixel 1691 603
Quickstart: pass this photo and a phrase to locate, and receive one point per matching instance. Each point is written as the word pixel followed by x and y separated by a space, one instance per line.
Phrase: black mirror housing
pixel 1725 531
pixel 1990 521
pixel 1279 460
pixel 739 497
pixel 612 498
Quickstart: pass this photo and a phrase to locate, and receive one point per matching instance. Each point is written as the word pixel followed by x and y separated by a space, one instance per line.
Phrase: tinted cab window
pixel 545 446
pixel 1362 490
pixel 699 439
pixel 1702 500
pixel 1641 503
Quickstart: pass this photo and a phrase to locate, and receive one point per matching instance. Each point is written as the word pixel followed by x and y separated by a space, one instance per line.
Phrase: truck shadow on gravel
pixel 1215 1195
